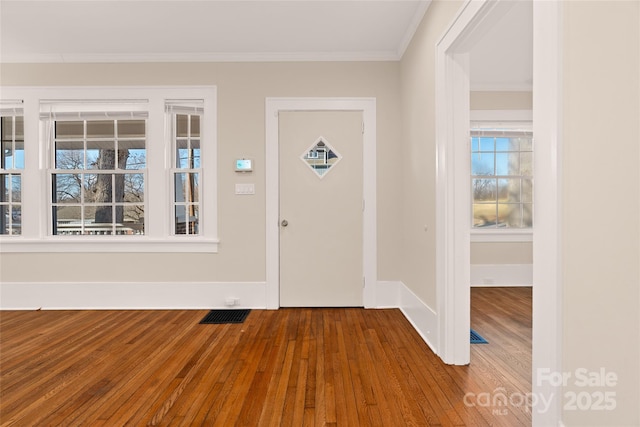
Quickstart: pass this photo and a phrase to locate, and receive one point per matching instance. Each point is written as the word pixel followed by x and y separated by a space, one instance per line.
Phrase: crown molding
pixel 422 8
pixel 204 57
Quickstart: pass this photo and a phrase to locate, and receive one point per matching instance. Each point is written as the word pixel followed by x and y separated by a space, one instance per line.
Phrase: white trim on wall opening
pixel 452 207
pixel 547 262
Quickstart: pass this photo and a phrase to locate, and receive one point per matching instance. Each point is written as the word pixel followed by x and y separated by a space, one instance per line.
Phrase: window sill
pixel 109 245
pixel 501 235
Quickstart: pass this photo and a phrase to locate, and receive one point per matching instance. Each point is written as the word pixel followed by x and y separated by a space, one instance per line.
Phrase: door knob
pixel 284 223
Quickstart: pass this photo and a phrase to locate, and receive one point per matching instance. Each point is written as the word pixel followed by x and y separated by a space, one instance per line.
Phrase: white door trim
pixel 452 196
pixel 272 108
pixel 547 240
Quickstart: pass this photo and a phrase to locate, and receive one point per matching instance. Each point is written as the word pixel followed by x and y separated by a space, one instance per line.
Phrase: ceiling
pixel 178 30
pixel 238 30
pixel 503 58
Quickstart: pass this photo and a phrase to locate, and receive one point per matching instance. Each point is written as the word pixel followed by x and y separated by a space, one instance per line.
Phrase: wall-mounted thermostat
pixel 244 165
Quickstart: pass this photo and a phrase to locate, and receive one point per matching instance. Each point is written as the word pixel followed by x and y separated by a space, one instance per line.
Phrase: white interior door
pixel 321 208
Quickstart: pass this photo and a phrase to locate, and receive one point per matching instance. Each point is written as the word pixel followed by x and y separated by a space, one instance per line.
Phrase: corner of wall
pixel 395 294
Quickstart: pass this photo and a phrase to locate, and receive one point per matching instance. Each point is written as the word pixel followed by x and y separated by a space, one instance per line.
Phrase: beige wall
pixel 242 89
pixel 501 100
pixel 601 212
pixel 418 152
pixel 501 253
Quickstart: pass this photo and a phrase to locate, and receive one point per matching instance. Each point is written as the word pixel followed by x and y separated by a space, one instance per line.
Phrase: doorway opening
pixel 453 192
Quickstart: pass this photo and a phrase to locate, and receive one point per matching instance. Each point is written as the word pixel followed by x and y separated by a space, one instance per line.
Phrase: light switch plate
pixel 245 189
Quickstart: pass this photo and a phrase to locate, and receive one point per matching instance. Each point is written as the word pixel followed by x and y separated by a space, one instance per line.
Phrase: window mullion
pixel 157 185
pixel 208 148
pixel 188 195
pixel 34 175
pixel 496 181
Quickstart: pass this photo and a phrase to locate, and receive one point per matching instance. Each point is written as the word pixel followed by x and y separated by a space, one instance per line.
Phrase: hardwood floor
pixel 503 317
pixel 348 367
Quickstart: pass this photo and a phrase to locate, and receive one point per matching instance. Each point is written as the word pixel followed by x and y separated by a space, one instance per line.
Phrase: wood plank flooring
pixel 303 367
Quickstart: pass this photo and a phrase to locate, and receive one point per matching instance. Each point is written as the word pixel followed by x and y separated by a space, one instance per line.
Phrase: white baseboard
pixel 501 274
pixel 190 296
pixel 130 296
pixel 423 319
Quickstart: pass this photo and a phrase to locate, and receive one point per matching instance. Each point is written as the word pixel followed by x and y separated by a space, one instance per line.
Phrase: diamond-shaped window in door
pixel 321 157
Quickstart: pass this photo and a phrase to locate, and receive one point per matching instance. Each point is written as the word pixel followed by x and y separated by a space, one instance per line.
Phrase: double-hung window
pixel 184 120
pixel 112 169
pixel 98 167
pixel 501 176
pixel 11 167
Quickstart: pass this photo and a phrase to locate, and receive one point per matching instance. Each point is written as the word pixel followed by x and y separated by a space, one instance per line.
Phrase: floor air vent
pixel 225 316
pixel 477 339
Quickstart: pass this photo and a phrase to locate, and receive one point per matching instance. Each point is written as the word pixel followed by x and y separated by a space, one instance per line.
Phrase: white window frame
pixel 158 237
pixel 172 110
pixel 12 109
pixel 508 119
pixel 85 112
